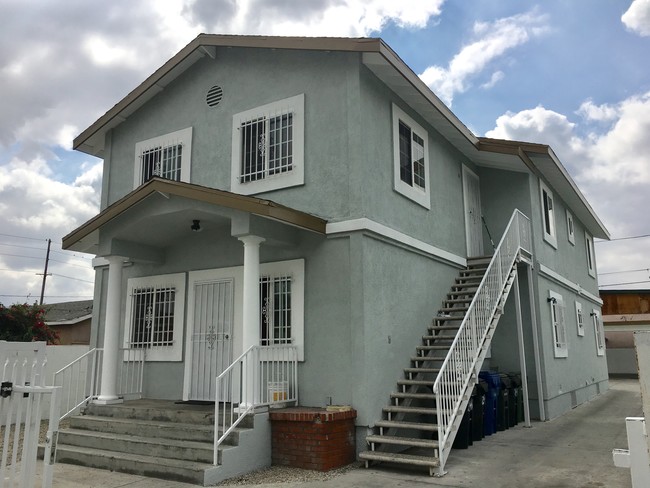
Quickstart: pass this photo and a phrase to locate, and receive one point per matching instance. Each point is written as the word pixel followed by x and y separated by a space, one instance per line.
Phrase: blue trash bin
pixel 491 401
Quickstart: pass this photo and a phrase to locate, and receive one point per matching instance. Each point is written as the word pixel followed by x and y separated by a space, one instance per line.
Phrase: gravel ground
pixel 41 437
pixel 284 474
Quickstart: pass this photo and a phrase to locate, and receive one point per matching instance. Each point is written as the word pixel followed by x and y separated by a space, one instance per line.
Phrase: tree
pixel 24 323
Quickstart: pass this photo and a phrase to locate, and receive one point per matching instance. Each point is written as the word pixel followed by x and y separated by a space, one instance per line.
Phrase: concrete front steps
pixel 159 439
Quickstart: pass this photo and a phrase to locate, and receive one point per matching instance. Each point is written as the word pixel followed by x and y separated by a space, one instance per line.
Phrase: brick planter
pixel 313 438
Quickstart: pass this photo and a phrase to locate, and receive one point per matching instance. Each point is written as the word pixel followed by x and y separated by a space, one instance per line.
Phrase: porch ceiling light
pixel 196 226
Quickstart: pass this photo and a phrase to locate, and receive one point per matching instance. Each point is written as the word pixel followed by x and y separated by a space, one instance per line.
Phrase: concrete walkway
pixel 573 451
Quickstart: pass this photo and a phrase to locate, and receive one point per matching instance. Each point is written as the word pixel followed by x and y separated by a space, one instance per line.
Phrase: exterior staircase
pixel 419 425
pixel 153 438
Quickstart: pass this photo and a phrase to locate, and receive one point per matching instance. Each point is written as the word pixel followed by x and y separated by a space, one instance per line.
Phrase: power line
pixel 71 278
pixel 627 283
pixel 33 271
pixel 27 295
pixel 24 237
pixel 22 256
pixel 627 271
pixel 623 238
pixel 65 253
pixel 71 264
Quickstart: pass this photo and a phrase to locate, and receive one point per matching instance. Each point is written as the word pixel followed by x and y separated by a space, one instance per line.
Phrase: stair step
pixel 168 469
pixel 424 359
pixel 415 383
pixel 444 310
pixel 415 396
pixel 448 318
pixel 146 410
pixel 410 410
pixel 438 338
pixel 468 280
pixel 458 300
pixel 145 446
pixel 402 441
pixel 432 348
pixel 392 424
pixel 393 457
pixel 422 370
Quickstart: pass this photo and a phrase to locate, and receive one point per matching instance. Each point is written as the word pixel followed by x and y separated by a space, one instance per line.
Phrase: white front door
pixel 210 327
pixel 473 223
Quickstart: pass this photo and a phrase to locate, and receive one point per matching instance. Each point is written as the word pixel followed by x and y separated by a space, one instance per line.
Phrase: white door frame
pixel 471 239
pixel 210 276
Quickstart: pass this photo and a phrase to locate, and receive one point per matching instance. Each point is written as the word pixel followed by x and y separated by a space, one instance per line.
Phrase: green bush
pixel 24 323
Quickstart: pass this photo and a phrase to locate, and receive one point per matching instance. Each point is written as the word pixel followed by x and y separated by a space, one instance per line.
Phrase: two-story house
pixel 310 204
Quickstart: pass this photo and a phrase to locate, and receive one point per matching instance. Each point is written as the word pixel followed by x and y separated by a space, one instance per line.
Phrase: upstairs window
pixel 411 158
pixel 589 245
pixel 267 147
pixel 558 323
pixel 166 156
pixel 570 228
pixel 154 316
pixel 548 215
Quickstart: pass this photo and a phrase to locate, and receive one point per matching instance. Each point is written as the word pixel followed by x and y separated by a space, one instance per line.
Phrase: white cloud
pixel 598 113
pixel 103 52
pixel 637 17
pixel 492 40
pixel 496 77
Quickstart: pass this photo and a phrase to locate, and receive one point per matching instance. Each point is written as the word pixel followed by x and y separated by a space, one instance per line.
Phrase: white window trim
pixel 296 269
pixel 591 258
pixel 580 319
pixel 295 177
pixel 560 339
pixel 161 353
pixel 551 237
pixel 570 228
pixel 182 137
pixel 415 193
pixel 599 332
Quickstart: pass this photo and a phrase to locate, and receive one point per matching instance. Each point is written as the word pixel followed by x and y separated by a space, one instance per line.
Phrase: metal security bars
pixel 162 161
pixel 275 310
pixel 460 365
pixel 152 317
pixel 261 376
pixel 267 146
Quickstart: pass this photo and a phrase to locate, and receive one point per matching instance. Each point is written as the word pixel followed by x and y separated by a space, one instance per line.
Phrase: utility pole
pixel 47 260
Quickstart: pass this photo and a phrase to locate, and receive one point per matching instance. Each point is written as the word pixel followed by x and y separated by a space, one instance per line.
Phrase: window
pixel 548 215
pixel 580 321
pixel 282 303
pixel 558 323
pixel 411 158
pixel 570 228
pixel 268 147
pixel 589 244
pixel 165 156
pixel 154 316
pixel 598 331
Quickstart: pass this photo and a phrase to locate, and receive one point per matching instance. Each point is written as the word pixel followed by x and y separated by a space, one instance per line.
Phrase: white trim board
pixel 558 278
pixel 368 225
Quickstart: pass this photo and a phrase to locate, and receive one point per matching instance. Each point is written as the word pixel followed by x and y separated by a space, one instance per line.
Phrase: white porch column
pixel 108 389
pixel 251 312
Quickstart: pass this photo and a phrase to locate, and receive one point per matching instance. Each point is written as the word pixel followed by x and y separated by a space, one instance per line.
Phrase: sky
pixel 572 74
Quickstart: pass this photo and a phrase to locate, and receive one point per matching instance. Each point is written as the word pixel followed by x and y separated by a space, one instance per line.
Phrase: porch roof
pixel 85 238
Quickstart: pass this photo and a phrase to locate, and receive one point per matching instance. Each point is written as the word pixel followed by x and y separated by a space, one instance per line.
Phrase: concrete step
pixel 150 428
pixel 421 370
pixel 414 396
pixel 147 410
pixel 168 469
pixel 143 446
pixel 402 441
pixel 392 424
pixel 452 310
pixel 439 337
pixel 415 383
pixel 439 327
pixel 443 347
pixel 448 318
pixel 426 359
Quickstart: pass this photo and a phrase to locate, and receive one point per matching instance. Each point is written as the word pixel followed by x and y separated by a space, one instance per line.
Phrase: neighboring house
pixel 314 193
pixel 624 311
pixel 71 320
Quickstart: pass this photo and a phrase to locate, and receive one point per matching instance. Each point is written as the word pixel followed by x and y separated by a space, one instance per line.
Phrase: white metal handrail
pixel 261 376
pixel 80 379
pixel 461 361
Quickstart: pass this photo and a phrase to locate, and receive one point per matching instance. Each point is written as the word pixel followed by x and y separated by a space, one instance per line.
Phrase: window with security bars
pixel 275 310
pixel 166 156
pixel 267 146
pixel 164 162
pixel 558 321
pixel 152 317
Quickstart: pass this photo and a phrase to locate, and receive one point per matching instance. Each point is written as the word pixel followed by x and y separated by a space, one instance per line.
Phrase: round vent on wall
pixel 215 94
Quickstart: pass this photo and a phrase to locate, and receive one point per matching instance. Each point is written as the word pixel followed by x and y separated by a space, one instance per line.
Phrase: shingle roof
pixel 67 312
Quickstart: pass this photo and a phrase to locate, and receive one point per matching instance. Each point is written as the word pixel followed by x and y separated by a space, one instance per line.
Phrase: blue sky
pixel 573 74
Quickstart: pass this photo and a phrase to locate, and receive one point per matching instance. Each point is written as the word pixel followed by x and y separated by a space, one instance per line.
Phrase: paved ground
pixel 573 451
